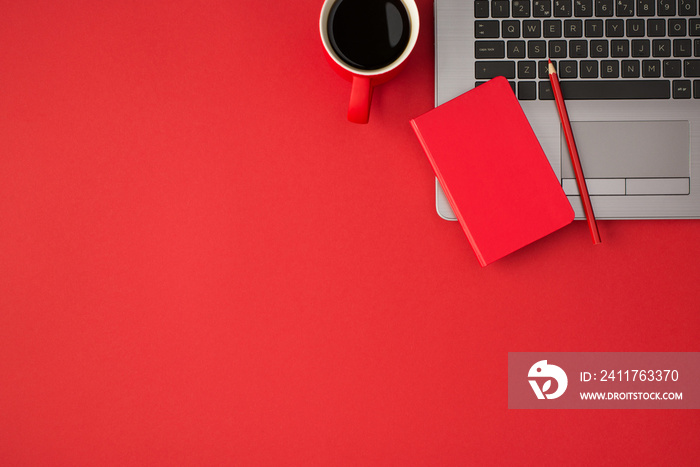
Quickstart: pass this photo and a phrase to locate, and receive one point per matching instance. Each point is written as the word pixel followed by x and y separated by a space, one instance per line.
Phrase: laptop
pixel 630 75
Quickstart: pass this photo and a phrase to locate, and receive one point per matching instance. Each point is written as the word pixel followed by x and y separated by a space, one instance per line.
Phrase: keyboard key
pixel 681 89
pixel 646 7
pixel 516 49
pixel 625 7
pixel 635 27
pixel 562 8
pixel 641 48
pixel 589 69
pixel 618 89
pixel 661 48
pixel 500 8
pixel 532 28
pixel 672 68
pixel 527 69
pixel 630 69
pixel 489 49
pixel 552 28
pixel 682 48
pixel 568 69
pixel 694 29
pixel 676 27
pixel 542 8
pixel 557 49
pixel 583 8
pixel 481 9
pixel 486 29
pixel 537 49
pixel 609 69
pixel 620 48
pixel 692 68
pixel 543 68
pixel 521 9
pixel 573 28
pixel 696 89
pixel 651 68
pixel 594 28
pixel 604 7
pixel 578 49
pixel 527 90
pixel 599 49
pixel 614 28
pixel 510 29
pixel 488 70
pixel 656 28
pixel 667 7
pixel 687 8
pixel 545 90
pixel 697 47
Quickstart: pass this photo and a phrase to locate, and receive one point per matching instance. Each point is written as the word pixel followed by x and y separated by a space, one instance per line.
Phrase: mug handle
pixel 360 99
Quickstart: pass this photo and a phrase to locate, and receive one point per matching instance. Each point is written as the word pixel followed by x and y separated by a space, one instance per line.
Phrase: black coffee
pixel 369 34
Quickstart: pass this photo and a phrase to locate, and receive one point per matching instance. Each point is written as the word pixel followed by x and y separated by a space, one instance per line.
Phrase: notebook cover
pixel 493 170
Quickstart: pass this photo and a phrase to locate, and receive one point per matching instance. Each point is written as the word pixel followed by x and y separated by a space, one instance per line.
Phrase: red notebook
pixel 493 170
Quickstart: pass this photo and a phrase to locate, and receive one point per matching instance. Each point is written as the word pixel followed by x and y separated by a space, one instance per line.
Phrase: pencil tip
pixel 552 70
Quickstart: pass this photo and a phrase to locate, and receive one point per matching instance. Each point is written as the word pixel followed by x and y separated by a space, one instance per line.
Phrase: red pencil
pixel 580 180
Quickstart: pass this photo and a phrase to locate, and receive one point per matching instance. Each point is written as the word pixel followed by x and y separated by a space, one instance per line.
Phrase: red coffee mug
pixel 402 20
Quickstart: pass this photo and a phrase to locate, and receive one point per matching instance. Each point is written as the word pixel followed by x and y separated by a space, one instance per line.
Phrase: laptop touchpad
pixel 624 150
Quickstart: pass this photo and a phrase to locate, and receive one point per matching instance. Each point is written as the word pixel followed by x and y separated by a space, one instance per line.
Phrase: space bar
pixel 618 89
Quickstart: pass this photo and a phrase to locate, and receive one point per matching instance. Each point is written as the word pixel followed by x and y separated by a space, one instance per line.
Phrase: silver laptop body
pixel 640 156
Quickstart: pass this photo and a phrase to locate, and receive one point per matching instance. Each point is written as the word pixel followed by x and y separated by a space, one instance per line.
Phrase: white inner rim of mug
pixel 414 23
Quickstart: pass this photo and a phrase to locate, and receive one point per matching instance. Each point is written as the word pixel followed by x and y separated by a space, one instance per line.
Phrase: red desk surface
pixel 203 263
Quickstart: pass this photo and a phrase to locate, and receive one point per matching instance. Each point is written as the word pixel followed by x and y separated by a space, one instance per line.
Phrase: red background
pixel 202 262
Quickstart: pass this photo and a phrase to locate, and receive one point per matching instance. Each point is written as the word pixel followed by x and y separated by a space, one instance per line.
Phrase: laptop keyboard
pixel 602 49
